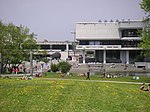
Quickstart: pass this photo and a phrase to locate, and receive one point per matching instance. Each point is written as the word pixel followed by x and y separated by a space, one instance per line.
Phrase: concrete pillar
pixel 67 49
pixel 104 56
pixel 121 55
pixel 83 55
pixel 127 57
pixel 31 64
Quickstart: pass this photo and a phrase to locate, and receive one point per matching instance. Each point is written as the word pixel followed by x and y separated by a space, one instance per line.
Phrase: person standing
pixel 16 70
pixel 88 75
pixel 13 70
pixel 142 86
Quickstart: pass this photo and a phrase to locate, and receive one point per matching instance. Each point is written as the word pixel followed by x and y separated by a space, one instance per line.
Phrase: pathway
pixel 94 81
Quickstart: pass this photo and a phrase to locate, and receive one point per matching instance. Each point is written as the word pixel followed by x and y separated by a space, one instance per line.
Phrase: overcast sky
pixel 56 19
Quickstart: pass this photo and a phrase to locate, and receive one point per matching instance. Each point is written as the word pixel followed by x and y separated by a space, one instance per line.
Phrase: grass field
pixel 142 79
pixel 40 95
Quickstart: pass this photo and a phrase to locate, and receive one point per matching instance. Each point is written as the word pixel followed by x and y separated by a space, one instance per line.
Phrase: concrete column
pixel 67 49
pixel 104 56
pixel 31 64
pixel 83 55
pixel 127 57
pixel 121 55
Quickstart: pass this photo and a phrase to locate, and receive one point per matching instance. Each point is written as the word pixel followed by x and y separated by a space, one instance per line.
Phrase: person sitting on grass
pixel 142 87
pixel 148 88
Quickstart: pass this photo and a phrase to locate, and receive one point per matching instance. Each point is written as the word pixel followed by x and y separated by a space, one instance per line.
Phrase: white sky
pixel 55 19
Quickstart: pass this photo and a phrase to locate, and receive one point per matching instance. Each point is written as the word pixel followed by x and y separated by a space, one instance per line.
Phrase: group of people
pixel 15 70
pixel 145 89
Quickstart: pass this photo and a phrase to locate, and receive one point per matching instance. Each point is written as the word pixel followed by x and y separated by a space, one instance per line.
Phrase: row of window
pixel 111 42
pixel 130 32
pixel 55 47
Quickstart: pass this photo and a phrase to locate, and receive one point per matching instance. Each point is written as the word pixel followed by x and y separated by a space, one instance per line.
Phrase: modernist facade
pixel 65 48
pixel 109 42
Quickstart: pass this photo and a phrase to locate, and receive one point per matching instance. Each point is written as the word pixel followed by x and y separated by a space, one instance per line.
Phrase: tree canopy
pixel 145 43
pixel 145 5
pixel 16 42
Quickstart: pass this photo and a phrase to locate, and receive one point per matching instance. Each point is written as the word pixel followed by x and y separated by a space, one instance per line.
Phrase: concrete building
pixel 65 48
pixel 109 42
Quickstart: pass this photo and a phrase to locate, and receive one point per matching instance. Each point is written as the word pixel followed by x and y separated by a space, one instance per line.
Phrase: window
pixel 130 32
pixel 45 47
pixel 97 42
pixel 91 43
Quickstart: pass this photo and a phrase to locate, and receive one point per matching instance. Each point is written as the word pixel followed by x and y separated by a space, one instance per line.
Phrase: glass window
pixel 130 32
pixel 91 43
pixel 97 42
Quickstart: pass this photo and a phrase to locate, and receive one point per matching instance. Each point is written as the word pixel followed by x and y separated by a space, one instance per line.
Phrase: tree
pixel 145 43
pixel 15 44
pixel 54 67
pixel 64 66
pixel 145 5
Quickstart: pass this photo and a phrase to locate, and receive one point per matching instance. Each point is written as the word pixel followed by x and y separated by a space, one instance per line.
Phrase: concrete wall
pixel 99 31
pixel 142 64
pixel 131 24
pixel 64 55
pixel 104 30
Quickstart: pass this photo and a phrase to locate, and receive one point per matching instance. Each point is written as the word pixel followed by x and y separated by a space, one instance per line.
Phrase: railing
pixel 131 38
pixel 98 46
pixel 54 42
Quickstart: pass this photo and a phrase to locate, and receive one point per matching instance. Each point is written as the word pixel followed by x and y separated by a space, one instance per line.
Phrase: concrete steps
pixel 79 68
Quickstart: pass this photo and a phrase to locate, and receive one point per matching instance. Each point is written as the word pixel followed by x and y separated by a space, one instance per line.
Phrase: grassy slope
pixel 70 96
pixel 97 77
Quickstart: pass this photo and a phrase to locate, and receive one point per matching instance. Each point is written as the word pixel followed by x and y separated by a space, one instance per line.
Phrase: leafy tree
pixel 145 43
pixel 145 5
pixel 43 56
pixel 54 67
pixel 15 44
pixel 64 66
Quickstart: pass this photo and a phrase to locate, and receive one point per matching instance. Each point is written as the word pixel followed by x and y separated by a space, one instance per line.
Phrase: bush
pixel 139 58
pixel 54 67
pixel 64 67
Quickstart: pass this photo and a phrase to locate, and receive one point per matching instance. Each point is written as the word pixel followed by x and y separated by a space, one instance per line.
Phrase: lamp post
pixel 74 36
pixel 0 63
pixel 31 64
pixel 67 47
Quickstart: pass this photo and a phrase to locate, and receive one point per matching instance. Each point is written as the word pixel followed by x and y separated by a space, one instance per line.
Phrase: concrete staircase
pixel 109 67
pixel 79 68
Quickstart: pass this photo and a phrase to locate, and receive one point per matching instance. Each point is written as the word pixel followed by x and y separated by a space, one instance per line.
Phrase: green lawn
pixel 40 95
pixel 142 79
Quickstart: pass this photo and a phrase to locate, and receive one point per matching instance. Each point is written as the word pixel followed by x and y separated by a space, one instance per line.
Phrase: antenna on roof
pixel 129 20
pixel 99 21
pixel 111 20
pixel 117 20
pixel 105 20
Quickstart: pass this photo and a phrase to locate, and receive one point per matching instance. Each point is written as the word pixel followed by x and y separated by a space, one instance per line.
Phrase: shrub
pixel 54 67
pixel 139 58
pixel 64 67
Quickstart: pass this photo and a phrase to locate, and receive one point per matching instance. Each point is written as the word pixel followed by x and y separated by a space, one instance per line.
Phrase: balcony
pixel 98 47
pixel 131 38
